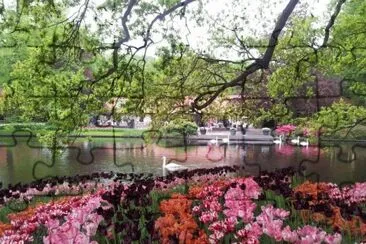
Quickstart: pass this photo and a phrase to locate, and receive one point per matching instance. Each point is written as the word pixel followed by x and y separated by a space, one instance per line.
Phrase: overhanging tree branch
pixel 261 63
pixel 331 22
pixel 164 14
pixel 126 34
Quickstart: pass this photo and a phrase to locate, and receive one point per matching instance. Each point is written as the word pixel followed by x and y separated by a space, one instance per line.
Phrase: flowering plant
pixel 285 129
pixel 199 206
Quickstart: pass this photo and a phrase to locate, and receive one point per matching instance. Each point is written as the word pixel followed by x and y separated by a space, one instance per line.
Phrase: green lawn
pixel 90 132
pixel 109 132
pixel 24 128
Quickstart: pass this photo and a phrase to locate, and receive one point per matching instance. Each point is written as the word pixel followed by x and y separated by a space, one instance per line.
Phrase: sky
pixel 256 17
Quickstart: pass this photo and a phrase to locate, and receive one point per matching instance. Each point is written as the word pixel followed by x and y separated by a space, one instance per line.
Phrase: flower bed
pixel 200 206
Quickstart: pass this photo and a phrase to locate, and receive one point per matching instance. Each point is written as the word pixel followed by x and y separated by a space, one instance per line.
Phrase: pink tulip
pixel 242 209
pixel 208 217
pixel 250 234
pixel 91 228
pixel 81 238
pixel 196 210
pixel 230 224
pixel 333 239
pixel 288 235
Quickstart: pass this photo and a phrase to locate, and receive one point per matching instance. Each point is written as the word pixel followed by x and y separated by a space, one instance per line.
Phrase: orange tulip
pixel 177 221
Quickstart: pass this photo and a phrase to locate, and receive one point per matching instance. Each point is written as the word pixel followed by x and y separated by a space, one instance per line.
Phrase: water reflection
pixel 336 164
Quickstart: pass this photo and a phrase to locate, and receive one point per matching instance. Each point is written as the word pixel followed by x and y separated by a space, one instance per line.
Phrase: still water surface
pixel 335 164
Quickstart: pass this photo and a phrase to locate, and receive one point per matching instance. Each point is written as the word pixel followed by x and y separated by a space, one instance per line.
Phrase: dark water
pixel 335 164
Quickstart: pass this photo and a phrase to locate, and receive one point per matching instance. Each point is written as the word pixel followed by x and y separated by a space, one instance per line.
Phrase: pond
pixel 335 164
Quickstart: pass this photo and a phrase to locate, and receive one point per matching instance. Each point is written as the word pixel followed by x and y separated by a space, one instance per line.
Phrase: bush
pixel 181 126
pixel 285 129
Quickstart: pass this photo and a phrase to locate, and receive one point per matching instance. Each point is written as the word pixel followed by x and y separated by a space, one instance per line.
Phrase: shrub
pixel 181 126
pixel 285 129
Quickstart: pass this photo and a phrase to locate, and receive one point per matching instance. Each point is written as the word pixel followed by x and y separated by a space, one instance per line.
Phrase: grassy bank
pixel 21 129
pixel 109 132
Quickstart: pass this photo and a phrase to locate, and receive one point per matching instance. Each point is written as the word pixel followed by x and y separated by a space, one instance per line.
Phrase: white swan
pixel 305 143
pixel 278 140
pixel 172 166
pixel 226 140
pixel 214 141
pixel 296 141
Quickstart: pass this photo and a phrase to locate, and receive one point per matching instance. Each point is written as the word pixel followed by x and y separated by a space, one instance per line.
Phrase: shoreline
pixel 190 138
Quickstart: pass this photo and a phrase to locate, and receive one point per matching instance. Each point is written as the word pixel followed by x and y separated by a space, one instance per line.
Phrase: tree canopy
pixel 63 60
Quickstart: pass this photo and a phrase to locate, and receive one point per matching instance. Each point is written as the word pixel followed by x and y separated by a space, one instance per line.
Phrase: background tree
pixel 73 65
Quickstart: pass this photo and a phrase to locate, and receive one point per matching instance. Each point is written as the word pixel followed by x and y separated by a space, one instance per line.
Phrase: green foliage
pixel 181 126
pixel 48 81
pixel 296 63
pixel 8 57
pixel 39 234
pixel 338 116
pixel 4 211
pixel 15 206
pixel 346 56
pixel 279 113
pixel 58 71
pixel 168 3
